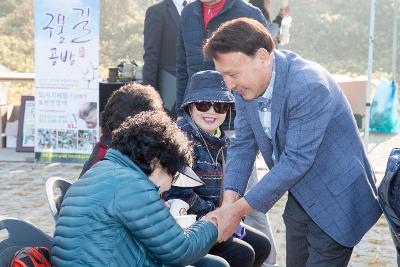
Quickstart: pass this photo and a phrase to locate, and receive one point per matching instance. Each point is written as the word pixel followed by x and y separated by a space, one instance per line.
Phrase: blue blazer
pixel 318 154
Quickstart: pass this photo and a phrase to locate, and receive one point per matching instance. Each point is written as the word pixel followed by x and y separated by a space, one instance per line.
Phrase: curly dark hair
pixel 153 135
pixel 127 101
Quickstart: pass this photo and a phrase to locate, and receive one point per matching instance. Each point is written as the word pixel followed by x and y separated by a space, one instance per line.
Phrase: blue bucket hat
pixel 207 86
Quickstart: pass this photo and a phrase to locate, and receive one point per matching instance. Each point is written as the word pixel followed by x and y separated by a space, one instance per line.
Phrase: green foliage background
pixel 333 33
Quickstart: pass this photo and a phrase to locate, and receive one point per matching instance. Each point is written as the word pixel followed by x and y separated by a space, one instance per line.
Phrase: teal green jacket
pixel 113 216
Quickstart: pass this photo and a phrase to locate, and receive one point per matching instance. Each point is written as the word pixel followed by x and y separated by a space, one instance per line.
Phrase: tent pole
pixel 394 46
pixel 370 64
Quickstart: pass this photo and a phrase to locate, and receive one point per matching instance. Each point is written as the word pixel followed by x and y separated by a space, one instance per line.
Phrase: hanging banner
pixel 66 80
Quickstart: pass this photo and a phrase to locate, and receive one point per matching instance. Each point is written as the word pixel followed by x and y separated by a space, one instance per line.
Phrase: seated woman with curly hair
pixel 114 216
pixel 127 101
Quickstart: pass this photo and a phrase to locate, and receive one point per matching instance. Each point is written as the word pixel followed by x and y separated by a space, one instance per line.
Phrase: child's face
pixel 209 120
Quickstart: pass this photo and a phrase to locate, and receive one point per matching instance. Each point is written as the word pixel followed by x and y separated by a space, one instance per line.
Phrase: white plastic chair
pixel 56 187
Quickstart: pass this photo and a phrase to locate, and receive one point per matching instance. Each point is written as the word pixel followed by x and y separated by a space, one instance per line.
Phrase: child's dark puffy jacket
pixel 205 198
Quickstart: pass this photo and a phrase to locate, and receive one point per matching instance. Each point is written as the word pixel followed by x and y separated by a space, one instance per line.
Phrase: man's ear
pixel 263 54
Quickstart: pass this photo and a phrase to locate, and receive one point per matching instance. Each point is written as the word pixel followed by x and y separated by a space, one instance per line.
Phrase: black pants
pixel 211 261
pixel 251 251
pixel 306 244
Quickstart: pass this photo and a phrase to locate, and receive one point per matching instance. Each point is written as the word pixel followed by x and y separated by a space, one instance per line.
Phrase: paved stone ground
pixel 22 195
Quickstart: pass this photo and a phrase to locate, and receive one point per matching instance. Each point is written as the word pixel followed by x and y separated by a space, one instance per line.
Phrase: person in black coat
pixel 389 197
pixel 161 27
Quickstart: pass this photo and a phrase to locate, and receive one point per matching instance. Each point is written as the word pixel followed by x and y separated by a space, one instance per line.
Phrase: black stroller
pixel 389 197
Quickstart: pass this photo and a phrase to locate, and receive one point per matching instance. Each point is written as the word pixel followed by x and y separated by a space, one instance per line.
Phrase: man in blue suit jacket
pixel 294 112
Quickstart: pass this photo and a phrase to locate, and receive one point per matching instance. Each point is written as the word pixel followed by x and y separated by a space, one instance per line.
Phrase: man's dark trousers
pixel 306 244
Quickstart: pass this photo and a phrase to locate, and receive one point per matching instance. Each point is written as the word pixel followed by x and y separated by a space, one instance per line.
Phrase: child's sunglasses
pixel 219 107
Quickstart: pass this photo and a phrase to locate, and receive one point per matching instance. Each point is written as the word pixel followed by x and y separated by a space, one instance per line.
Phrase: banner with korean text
pixel 67 79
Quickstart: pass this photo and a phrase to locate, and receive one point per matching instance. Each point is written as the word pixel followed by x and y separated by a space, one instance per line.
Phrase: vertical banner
pixel 67 79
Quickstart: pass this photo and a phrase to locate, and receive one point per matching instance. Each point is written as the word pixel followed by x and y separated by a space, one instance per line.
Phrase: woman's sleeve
pixel 141 210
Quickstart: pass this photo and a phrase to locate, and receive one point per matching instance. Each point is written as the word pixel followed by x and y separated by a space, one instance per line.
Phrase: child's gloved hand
pixel 240 231
pixel 178 207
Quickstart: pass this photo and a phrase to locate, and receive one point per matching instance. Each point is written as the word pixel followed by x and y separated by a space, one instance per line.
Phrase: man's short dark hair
pixel 127 101
pixel 153 134
pixel 239 35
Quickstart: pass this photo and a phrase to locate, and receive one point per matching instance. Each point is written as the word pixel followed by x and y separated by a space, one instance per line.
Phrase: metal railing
pixel 17 76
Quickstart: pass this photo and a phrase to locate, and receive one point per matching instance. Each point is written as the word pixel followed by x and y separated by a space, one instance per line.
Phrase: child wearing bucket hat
pixel 206 103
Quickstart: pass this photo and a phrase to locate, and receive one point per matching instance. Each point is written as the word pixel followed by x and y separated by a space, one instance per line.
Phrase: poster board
pixel 66 82
pixel 26 125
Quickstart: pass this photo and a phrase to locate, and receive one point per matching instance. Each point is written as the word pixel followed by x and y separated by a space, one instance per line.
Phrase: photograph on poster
pixel 87 115
pixel 87 139
pixel 47 138
pixel 67 139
